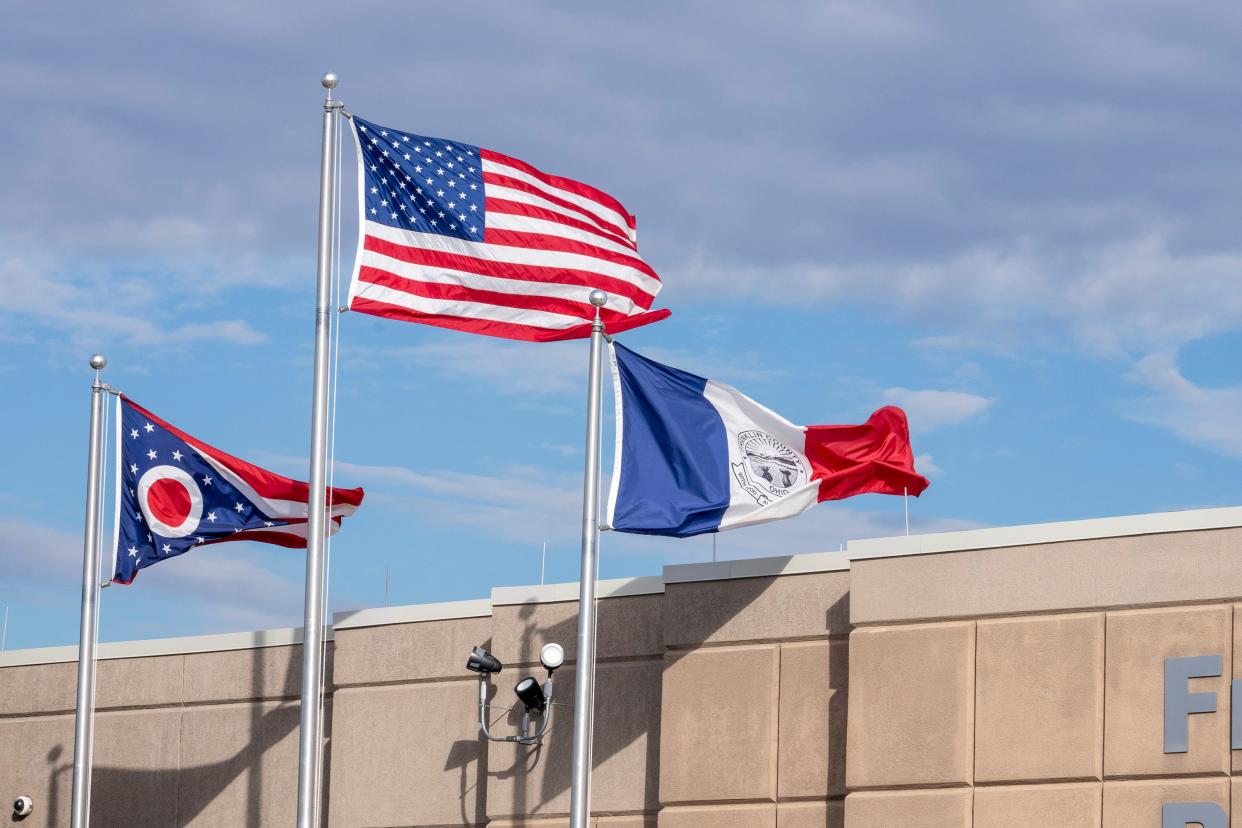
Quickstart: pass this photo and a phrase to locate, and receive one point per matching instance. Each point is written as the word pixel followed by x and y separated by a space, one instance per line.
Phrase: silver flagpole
pixel 584 692
pixel 84 722
pixel 312 625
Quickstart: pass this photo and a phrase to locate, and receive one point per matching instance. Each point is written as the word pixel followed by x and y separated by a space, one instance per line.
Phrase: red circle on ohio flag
pixel 170 501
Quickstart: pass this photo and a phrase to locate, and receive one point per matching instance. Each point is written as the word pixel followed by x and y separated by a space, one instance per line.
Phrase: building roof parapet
pixel 1156 523
pixel 756 567
pixel 892 547
pixel 555 593
pixel 145 648
pixel 410 613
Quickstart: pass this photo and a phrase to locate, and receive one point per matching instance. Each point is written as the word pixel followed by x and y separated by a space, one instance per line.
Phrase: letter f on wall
pixel 1179 702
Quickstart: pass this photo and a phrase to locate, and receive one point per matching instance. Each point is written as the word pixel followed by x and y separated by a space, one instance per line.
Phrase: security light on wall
pixel 22 806
pixel 536 699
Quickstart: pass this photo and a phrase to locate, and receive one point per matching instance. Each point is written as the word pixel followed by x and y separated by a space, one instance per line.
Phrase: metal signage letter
pixel 1235 709
pixel 1206 814
pixel 1179 702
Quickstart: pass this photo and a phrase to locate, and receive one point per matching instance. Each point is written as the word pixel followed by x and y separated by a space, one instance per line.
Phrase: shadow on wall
pixel 498 779
pixel 178 795
pixel 461 755
pixel 628 702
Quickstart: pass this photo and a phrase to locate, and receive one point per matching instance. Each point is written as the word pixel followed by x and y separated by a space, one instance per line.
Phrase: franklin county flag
pixel 696 456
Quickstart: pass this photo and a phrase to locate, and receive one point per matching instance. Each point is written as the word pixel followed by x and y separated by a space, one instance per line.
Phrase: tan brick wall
pixel 201 739
pixel 1009 717
pixel 966 696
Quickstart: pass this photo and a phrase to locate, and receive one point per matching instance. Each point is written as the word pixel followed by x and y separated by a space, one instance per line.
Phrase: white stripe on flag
pixel 503 193
pixel 519 287
pixel 469 310
pixel 516 255
pixel 273 508
pixel 618 222
pixel 527 224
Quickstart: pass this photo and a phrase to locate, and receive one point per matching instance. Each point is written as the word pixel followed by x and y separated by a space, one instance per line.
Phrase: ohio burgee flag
pixel 695 456
pixel 176 493
pixel 467 238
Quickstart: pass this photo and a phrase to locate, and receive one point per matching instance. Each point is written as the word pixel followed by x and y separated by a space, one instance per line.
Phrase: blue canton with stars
pixel 150 452
pixel 429 185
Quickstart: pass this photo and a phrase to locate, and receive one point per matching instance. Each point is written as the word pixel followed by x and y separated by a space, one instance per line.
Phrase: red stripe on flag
pixel 503 206
pixel 503 330
pixel 559 244
pixel 273 535
pixel 500 205
pixel 267 484
pixel 508 270
pixel 451 292
pixel 873 458
pixel 567 184
pixel 526 187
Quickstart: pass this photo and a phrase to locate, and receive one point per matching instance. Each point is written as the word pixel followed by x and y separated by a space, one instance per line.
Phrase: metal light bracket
pixel 525 736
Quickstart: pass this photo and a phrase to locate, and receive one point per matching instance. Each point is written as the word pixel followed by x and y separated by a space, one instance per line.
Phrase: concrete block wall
pixel 1023 686
pixel 720 699
pixel 1008 677
pixel 192 738
pixel 754 699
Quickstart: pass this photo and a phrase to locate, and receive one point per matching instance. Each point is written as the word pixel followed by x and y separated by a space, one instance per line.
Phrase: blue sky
pixel 1018 221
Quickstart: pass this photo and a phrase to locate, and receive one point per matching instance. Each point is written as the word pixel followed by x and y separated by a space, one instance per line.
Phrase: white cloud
pixel 530 505
pixel 552 368
pixel 927 467
pixel 1137 293
pixel 827 527
pixel 561 449
pixel 92 310
pixel 928 410
pixel 1207 417
pixel 736 368
pixel 1010 168
pixel 212 584
pixel 513 368
pixel 230 331
pixel 526 504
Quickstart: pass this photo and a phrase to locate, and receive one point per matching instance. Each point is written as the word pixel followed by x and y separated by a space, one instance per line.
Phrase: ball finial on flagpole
pixel 598 298
pixel 329 80
pixel 98 361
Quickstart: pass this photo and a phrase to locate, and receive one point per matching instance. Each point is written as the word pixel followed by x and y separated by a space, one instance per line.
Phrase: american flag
pixel 466 238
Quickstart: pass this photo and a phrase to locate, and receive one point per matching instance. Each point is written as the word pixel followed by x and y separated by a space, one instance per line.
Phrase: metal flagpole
pixel 312 627
pixel 584 692
pixel 84 722
pixel 905 500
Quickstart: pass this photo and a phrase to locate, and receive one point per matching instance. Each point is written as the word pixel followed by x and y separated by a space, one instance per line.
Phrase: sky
pixel 1017 220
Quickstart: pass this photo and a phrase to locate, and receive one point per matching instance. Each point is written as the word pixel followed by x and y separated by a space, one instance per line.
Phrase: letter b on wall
pixel 1207 814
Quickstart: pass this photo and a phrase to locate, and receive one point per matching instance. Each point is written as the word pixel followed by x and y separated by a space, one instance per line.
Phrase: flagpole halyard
pixel 312 629
pixel 584 692
pixel 84 719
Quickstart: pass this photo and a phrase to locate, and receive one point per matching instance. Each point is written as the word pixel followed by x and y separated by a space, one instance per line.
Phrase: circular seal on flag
pixel 770 466
pixel 170 501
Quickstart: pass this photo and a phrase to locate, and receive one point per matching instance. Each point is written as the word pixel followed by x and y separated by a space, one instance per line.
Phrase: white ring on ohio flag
pixel 190 523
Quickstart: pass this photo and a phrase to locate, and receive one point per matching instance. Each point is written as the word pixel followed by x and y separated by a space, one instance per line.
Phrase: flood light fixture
pixel 483 662
pixel 531 694
pixel 536 700
pixel 552 656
